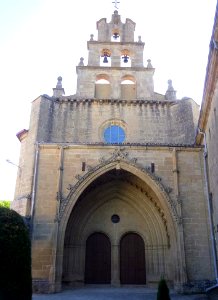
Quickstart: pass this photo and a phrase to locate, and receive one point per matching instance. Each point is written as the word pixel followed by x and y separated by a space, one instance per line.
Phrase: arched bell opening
pixel 115 37
pixel 125 59
pixel 128 87
pixel 105 58
pixel 115 203
pixel 102 87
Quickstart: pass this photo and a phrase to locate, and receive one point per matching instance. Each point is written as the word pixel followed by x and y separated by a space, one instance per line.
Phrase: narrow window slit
pixel 152 167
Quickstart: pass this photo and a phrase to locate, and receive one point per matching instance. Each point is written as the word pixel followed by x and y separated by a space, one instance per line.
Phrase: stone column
pixel 181 269
pixel 115 265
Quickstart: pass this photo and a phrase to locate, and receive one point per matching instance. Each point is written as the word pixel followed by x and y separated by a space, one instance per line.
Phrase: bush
pixel 163 290
pixel 15 257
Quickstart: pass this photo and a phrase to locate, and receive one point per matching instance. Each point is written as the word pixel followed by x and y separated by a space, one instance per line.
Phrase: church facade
pixel 112 178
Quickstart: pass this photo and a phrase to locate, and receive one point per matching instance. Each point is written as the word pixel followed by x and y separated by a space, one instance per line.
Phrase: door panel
pixel 132 260
pixel 98 259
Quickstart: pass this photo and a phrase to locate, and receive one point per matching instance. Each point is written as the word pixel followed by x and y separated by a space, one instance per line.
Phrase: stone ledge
pixel 84 100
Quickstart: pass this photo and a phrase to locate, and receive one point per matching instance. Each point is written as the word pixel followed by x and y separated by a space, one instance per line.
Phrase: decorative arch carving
pixel 158 209
pixel 119 159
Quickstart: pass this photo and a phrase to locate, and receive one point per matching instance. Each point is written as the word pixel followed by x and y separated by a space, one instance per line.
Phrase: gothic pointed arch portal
pixel 140 205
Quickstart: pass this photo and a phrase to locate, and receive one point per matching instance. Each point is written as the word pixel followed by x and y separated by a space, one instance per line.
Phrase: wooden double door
pixel 98 259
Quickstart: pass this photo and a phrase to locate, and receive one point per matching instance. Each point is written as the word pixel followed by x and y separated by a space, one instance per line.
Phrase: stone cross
pixel 115 3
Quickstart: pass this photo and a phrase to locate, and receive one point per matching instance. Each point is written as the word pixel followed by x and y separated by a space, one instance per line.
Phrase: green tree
pixel 15 257
pixel 5 203
pixel 163 290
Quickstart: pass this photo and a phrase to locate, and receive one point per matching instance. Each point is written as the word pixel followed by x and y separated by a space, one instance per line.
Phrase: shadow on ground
pixel 110 293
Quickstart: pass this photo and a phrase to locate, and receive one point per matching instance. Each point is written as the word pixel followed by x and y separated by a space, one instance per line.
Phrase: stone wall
pixel 87 77
pixel 208 127
pixel 212 158
pixel 82 121
pixel 24 183
pixel 185 185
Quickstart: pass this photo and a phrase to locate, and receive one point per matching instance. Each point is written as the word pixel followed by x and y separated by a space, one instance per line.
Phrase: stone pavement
pixel 110 293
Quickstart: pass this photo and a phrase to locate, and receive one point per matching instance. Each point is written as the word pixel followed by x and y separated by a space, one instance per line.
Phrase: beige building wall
pixel 208 127
pixel 180 220
pixel 212 146
pixel 72 120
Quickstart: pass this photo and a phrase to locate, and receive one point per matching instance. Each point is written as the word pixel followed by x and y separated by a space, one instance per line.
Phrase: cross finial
pixel 115 3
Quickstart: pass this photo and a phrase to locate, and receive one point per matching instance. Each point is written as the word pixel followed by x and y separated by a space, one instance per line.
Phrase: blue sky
pixel 42 39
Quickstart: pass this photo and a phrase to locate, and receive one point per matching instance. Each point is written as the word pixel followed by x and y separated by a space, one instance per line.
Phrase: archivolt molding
pixel 118 156
pixel 157 207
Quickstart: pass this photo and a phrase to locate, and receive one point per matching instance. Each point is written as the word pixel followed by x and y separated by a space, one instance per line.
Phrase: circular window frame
pixel 115 219
pixel 112 122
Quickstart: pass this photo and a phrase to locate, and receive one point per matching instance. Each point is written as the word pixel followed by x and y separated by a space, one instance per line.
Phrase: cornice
pixel 112 68
pixel 132 146
pixel 116 43
pixel 84 100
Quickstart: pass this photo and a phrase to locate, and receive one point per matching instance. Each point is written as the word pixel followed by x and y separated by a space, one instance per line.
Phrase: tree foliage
pixel 5 203
pixel 15 257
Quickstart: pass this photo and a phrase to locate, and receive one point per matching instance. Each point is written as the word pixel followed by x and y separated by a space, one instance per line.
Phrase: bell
pixel 115 35
pixel 105 60
pixel 125 58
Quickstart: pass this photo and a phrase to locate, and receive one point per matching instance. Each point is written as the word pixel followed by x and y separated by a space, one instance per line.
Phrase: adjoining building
pixel 207 135
pixel 112 178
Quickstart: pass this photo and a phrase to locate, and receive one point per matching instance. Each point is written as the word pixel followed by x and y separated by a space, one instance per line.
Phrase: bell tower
pixel 115 67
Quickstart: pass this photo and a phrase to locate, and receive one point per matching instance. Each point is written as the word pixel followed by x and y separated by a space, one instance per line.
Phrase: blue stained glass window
pixel 114 134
